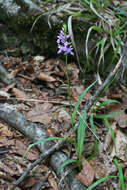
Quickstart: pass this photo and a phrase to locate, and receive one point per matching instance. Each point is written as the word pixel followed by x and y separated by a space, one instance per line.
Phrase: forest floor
pixel 38 90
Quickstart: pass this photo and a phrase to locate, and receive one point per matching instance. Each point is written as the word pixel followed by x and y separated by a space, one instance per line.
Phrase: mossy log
pixel 29 28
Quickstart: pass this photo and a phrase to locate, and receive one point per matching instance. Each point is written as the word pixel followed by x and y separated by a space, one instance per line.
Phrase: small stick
pixel 40 159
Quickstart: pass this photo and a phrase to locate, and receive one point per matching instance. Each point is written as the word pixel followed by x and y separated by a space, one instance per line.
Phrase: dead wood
pixel 35 132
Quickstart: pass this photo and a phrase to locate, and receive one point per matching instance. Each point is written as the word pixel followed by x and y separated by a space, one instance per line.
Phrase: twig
pixel 40 101
pixel 42 157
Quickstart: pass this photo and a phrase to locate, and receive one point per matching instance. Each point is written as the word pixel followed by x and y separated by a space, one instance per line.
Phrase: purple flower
pixel 63 44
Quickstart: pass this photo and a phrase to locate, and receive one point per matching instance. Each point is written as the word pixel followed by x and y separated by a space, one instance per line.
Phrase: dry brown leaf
pixel 122 120
pixel 7 169
pixel 108 139
pixel 74 72
pixel 121 146
pixel 86 176
pixel 13 74
pixel 7 88
pixel 20 149
pixel 4 131
pixel 19 94
pixel 99 169
pixel 45 77
pixel 125 172
pixel 63 115
pixel 29 182
pixel 41 113
pixel 6 142
pixel 52 183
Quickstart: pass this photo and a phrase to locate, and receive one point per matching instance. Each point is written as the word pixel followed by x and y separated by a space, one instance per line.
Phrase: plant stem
pixel 69 90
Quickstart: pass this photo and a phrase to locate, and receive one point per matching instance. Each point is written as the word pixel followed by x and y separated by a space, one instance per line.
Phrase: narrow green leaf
pixel 40 141
pixel 100 181
pixel 121 177
pixel 111 131
pixel 103 116
pixel 66 162
pixel 93 128
pixel 105 103
pixel 81 134
pixel 79 101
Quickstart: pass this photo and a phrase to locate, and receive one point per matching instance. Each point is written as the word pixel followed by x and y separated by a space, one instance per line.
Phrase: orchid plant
pixel 65 46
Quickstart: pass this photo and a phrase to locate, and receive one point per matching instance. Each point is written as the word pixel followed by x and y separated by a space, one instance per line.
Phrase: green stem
pixel 69 90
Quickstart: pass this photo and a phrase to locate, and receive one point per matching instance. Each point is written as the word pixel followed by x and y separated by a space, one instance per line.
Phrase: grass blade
pixel 40 141
pixel 121 177
pixel 93 128
pixel 103 116
pixel 81 134
pixel 100 181
pixel 66 162
pixel 105 103
pixel 111 131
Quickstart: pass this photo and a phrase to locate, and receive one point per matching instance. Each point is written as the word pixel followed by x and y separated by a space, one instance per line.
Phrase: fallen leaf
pixel 73 69
pixel 121 146
pixel 41 113
pixel 86 176
pixel 125 172
pixel 99 169
pixel 6 142
pixel 4 131
pixel 52 183
pixel 13 74
pixel 6 168
pixel 19 94
pixel 20 148
pixel 29 182
pixel 122 120
pixel 63 115
pixel 45 77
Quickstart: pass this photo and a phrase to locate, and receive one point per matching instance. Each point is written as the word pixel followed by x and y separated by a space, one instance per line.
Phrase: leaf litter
pixel 40 93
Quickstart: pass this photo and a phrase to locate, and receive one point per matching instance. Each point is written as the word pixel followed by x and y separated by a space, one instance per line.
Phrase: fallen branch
pixel 35 132
pixel 40 159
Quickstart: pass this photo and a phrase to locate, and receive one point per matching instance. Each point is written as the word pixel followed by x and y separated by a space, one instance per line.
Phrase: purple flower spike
pixel 63 44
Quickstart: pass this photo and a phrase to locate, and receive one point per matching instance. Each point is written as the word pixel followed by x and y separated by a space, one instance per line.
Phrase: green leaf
pixel 121 177
pixel 81 134
pixel 103 116
pixel 40 141
pixel 100 181
pixel 111 131
pixel 93 128
pixel 66 162
pixel 105 103
pixel 79 101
